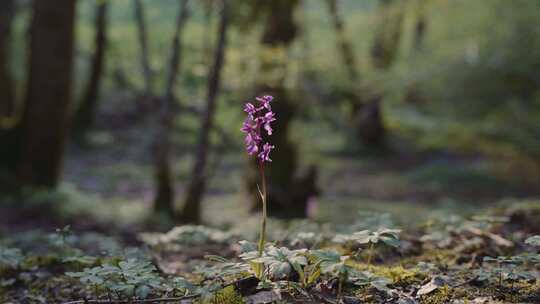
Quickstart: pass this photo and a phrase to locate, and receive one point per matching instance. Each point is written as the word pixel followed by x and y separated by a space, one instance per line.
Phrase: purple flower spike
pixel 257 119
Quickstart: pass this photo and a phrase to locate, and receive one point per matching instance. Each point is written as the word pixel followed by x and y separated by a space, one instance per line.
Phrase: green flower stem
pixel 341 278
pixel 262 236
pixel 370 253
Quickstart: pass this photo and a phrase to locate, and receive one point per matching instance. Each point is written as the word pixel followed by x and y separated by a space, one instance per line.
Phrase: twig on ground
pixel 134 301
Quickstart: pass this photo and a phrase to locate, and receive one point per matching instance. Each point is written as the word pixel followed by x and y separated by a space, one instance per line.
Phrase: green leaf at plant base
pixel 387 236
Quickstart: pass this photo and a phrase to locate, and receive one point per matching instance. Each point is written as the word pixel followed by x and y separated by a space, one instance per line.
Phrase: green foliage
pixel 533 241
pixel 280 262
pixel 131 278
pixel 478 76
pixel 505 270
pixel 10 257
pixel 332 263
pixel 226 295
pixel 224 268
pixel 389 237
pixel 366 278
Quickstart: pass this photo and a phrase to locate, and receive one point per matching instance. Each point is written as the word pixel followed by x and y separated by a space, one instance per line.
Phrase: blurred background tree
pixel 86 111
pixel 45 119
pixel 7 95
pixel 378 102
pixel 191 211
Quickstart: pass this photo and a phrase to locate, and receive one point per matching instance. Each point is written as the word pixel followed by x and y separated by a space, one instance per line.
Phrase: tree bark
pixel 8 152
pixel 143 44
pixel 164 200
pixel 192 205
pixel 48 98
pixel 288 192
pixel 6 82
pixel 85 115
pixel 9 119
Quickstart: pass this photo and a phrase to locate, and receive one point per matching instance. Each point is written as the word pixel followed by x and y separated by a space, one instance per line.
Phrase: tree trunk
pixel 419 32
pixel 388 35
pixel 413 94
pixel 48 98
pixel 8 117
pixel 383 53
pixel 288 192
pixel 370 124
pixel 164 200
pixel 6 82
pixel 143 43
pixel 197 186
pixel 85 115
pixel 347 57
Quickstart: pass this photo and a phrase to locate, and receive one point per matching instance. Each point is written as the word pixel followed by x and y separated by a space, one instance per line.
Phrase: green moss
pixel 399 275
pixel 439 296
pixel 227 295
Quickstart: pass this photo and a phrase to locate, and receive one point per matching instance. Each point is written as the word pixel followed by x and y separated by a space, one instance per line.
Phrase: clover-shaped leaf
pixel 331 262
pixel 364 278
pixel 387 236
pixel 247 246
pixel 520 275
pixel 502 260
pixel 280 260
pixel 180 283
pixel 143 291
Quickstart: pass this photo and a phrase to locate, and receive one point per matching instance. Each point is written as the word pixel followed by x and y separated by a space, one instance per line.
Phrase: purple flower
pixel 265 101
pixel 250 109
pixel 267 119
pixel 259 116
pixel 251 145
pixel 249 125
pixel 265 153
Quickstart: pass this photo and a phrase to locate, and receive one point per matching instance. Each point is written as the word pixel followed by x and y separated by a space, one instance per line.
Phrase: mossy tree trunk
pixel 287 191
pixel 85 114
pixel 192 205
pixel 45 118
